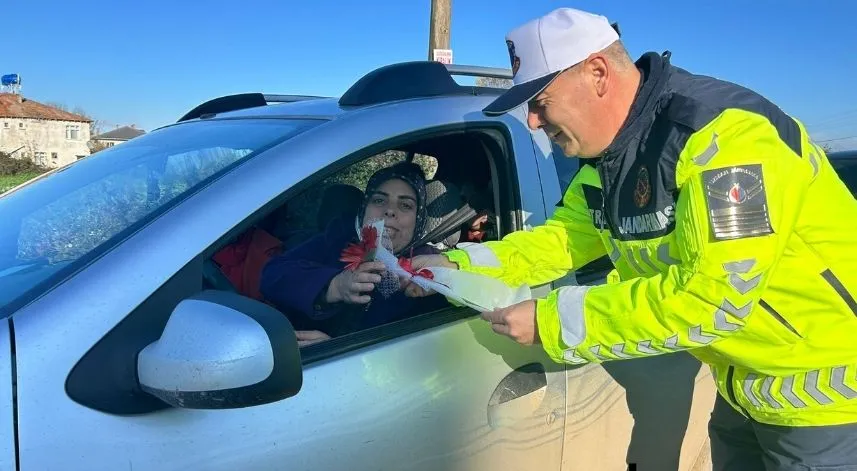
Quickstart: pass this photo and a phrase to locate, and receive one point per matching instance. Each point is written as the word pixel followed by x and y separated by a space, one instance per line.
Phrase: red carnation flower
pixel 363 251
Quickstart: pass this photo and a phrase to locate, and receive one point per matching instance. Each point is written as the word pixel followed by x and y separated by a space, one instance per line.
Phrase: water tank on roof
pixel 10 79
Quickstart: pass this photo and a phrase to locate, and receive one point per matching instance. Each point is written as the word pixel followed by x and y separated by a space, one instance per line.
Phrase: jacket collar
pixel 655 69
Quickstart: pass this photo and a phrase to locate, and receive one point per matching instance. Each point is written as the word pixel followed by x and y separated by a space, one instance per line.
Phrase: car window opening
pixel 458 176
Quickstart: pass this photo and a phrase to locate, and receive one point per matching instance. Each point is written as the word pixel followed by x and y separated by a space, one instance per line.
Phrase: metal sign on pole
pixel 444 56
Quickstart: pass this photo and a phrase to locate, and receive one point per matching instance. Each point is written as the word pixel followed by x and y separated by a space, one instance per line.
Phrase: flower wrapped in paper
pixel 479 292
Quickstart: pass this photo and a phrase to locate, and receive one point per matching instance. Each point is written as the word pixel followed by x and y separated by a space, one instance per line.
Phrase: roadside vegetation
pixel 13 172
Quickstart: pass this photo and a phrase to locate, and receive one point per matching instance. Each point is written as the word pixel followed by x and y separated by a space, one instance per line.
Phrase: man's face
pixel 568 112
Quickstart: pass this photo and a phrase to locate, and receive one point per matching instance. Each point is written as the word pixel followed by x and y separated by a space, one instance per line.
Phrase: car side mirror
pixel 221 350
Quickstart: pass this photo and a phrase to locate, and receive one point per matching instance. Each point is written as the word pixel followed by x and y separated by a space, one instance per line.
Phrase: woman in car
pixel 312 285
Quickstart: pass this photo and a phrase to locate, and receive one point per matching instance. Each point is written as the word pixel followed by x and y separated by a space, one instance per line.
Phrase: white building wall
pixel 46 142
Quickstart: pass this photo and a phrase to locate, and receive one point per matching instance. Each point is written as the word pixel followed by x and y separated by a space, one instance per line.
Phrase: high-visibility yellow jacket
pixel 733 238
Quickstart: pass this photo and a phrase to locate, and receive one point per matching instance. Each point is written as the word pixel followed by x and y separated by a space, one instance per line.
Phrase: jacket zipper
pixel 604 189
pixel 776 315
pixel 837 286
pixel 730 389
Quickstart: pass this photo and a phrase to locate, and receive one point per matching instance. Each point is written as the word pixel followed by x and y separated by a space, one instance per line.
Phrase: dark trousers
pixel 741 444
pixel 659 394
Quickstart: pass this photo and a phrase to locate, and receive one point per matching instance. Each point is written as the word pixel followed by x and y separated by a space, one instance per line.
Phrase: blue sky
pixel 148 62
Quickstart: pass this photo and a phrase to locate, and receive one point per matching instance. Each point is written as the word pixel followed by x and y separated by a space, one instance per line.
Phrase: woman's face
pixel 396 203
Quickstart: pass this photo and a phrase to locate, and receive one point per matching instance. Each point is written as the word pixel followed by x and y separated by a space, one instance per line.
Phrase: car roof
pixel 843 155
pixel 383 87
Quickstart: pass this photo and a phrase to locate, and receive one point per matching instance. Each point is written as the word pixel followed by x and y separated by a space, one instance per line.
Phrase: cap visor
pixel 518 95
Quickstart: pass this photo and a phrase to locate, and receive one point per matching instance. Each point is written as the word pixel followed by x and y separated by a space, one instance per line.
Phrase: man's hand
pixel 424 261
pixel 309 337
pixel 350 286
pixel 517 322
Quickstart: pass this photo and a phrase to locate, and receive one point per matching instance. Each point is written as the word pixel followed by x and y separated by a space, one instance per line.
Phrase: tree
pixel 826 148
pixel 95 125
pixel 493 82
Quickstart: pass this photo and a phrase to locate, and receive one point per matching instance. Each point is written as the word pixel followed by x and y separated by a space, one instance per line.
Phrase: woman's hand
pixel 309 337
pixel 350 286
pixel 413 290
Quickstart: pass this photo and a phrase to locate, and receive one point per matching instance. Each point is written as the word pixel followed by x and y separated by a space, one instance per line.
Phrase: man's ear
pixel 598 71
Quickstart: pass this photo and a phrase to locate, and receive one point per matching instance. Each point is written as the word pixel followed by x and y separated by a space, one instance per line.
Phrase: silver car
pixel 123 348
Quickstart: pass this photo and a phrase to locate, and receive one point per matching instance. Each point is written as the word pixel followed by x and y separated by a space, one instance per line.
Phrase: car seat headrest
pixel 337 200
pixel 443 200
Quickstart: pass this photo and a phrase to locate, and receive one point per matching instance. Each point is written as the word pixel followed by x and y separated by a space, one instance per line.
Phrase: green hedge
pixel 13 171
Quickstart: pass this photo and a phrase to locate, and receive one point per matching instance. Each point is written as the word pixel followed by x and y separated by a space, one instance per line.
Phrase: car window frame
pixel 344 344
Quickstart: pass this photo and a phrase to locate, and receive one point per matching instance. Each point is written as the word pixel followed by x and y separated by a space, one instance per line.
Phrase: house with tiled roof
pixel 48 136
pixel 117 136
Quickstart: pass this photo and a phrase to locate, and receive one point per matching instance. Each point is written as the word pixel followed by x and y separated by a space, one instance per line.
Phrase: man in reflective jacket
pixel 731 235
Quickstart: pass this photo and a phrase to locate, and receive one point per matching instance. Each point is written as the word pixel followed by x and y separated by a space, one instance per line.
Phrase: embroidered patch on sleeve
pixel 737 203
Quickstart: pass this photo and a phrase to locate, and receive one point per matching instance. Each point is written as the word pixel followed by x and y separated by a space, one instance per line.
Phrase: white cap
pixel 542 48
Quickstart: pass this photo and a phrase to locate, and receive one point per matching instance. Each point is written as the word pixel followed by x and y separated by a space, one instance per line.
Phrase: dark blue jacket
pixel 296 281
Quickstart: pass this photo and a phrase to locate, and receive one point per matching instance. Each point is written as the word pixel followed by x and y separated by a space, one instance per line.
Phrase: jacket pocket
pixel 778 317
pixel 837 286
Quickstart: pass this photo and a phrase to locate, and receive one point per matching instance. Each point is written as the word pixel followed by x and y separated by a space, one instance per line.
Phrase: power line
pixel 833 118
pixel 837 139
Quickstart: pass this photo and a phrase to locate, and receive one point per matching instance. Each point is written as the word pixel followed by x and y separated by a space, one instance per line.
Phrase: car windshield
pixel 60 222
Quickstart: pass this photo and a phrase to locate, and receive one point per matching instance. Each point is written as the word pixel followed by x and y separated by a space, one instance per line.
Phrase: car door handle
pixel 518 396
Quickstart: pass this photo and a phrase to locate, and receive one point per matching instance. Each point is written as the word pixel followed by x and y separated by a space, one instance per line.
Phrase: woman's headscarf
pixel 411 174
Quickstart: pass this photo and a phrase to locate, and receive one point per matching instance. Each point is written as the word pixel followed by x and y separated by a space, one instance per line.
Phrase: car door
pixel 440 391
pixel 8 459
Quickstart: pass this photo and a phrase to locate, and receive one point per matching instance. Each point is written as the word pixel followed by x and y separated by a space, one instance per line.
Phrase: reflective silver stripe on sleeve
pixel 708 153
pixel 672 343
pixel 747 387
pixel 744 286
pixel 837 383
pixel 570 306
pixel 596 351
pixel 741 266
pixel 633 262
pixel 481 256
pixel 722 323
pixel 645 346
pixel 614 252
pixel 665 257
pixel 644 255
pixel 571 356
pixel 720 320
pixel 619 350
pixel 787 390
pixel 813 159
pixel 695 335
pixel 766 393
pixel 810 386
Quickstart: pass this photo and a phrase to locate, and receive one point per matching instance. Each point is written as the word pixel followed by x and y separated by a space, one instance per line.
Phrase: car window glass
pixel 294 251
pixel 566 167
pixel 848 173
pixel 73 213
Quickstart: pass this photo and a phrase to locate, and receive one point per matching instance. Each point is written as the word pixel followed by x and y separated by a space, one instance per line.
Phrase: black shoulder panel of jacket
pixel 698 99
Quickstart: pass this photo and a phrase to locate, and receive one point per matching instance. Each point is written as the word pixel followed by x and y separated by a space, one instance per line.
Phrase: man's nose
pixel 534 119
pixel 390 212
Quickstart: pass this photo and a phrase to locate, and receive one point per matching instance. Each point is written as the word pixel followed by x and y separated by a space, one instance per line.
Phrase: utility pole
pixel 441 18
